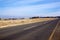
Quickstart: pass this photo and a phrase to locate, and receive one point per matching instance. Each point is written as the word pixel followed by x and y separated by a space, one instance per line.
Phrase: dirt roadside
pixel 56 35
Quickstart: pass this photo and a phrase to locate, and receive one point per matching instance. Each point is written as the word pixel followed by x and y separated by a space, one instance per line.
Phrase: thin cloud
pixel 57 13
pixel 12 3
pixel 20 1
pixel 30 9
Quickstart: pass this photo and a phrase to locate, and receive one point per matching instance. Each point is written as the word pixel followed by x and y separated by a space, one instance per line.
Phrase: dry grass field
pixel 6 23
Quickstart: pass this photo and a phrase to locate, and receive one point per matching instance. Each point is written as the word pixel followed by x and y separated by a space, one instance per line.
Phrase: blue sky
pixel 28 8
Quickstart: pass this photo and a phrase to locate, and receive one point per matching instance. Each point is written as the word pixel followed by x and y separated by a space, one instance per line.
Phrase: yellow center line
pixel 50 38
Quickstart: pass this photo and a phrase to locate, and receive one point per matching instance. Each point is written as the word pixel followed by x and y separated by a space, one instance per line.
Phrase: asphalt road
pixel 34 31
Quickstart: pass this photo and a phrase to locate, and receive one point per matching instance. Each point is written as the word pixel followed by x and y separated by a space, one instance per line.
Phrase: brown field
pixel 6 23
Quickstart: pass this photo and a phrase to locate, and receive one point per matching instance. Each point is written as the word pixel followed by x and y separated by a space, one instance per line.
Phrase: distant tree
pixel 14 18
pixel 34 17
pixel 0 18
pixel 22 18
pixel 58 16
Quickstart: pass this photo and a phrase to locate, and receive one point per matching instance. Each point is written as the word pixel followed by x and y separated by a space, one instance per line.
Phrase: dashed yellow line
pixel 50 38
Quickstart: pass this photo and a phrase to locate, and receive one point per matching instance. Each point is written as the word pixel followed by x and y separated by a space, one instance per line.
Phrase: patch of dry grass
pixel 6 23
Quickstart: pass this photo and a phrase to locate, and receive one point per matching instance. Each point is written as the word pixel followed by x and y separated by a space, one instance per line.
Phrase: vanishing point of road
pixel 34 31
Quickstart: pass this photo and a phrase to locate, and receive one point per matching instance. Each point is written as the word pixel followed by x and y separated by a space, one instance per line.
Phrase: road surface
pixel 34 31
